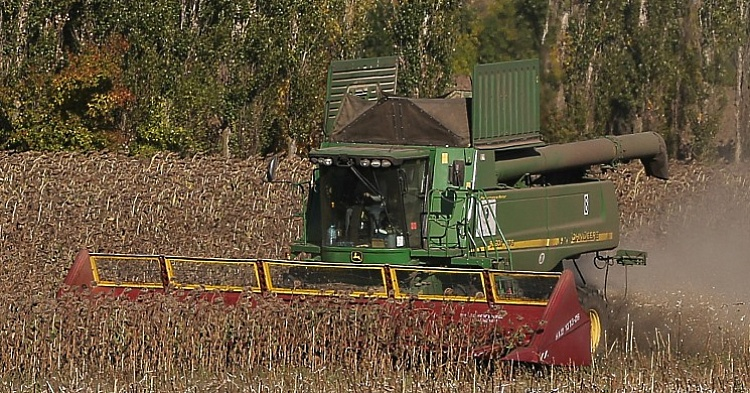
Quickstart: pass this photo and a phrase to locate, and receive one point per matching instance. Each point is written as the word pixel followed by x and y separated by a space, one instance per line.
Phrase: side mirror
pixel 271 170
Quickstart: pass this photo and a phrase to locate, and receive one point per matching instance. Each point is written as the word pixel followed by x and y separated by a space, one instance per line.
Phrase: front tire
pixel 598 310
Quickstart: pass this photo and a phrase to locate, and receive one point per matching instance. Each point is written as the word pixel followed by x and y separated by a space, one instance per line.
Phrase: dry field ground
pixel 678 324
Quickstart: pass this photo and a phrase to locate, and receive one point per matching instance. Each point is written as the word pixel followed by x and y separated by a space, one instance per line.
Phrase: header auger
pixel 443 203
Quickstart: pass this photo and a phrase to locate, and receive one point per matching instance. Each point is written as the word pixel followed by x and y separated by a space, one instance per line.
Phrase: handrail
pixel 386 281
pixel 499 230
pixel 430 219
pixel 471 199
pixel 462 197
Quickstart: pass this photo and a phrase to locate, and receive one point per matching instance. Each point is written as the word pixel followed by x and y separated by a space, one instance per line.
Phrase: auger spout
pixel 649 147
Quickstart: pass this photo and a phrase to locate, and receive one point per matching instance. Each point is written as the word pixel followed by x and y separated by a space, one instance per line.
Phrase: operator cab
pixel 371 202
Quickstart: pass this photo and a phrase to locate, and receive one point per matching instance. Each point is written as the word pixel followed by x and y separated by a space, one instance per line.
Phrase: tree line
pixel 248 77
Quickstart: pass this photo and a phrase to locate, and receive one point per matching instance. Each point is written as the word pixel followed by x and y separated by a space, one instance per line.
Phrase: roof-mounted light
pixel 385 163
pixel 327 161
pixel 314 160
pixel 375 163
pixel 364 162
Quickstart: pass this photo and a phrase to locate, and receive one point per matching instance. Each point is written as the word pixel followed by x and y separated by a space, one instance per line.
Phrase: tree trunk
pixel 552 11
pixel 291 147
pixel 743 100
pixel 21 36
pixel 225 134
pixel 742 96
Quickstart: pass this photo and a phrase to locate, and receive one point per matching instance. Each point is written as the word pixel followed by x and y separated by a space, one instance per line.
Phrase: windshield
pixel 372 207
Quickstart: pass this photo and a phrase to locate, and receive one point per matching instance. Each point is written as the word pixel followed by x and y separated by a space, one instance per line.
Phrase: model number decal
pixel 568 326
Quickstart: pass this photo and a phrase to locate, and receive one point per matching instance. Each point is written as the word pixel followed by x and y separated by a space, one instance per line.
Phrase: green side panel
pixel 448 204
pixel 584 217
pixel 545 225
pixel 484 177
pixel 363 77
pixel 506 104
pixel 515 219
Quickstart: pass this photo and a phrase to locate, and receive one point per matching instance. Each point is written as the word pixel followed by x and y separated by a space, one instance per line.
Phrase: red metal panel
pixel 80 274
pixel 557 333
pixel 566 337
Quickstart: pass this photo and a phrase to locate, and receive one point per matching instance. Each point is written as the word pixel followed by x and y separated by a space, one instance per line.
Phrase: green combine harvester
pixel 442 203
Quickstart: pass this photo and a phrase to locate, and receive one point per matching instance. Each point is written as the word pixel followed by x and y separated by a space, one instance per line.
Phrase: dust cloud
pixel 694 294
pixel 701 245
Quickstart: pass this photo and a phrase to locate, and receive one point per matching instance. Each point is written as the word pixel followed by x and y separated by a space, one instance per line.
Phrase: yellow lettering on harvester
pixel 576 238
pixel 590 236
pixel 583 237
pixel 495 197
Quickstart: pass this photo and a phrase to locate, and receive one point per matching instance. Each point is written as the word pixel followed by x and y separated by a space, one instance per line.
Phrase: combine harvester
pixel 447 203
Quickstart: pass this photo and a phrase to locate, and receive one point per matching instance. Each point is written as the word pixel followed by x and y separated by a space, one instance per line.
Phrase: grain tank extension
pixel 445 202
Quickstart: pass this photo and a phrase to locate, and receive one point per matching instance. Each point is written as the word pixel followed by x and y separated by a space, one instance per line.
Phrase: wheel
pixel 596 330
pixel 594 303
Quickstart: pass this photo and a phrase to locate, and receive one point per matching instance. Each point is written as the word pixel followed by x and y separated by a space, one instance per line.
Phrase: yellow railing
pixel 438 284
pixel 224 275
pixel 522 288
pixel 153 271
pixel 325 279
pixel 132 271
pixel 322 279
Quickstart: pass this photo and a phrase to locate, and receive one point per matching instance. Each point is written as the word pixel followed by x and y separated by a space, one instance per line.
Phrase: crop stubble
pixel 55 204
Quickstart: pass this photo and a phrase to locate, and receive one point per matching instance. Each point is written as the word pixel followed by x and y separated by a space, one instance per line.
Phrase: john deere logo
pixel 356 256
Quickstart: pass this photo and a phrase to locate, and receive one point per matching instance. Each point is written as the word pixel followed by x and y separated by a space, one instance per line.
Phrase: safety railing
pixel 325 279
pixel 444 231
pixel 155 271
pixel 321 279
pixel 132 271
pixel 523 288
pixel 438 284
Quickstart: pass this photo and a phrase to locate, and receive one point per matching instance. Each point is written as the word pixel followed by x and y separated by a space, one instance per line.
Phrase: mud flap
pixel 566 335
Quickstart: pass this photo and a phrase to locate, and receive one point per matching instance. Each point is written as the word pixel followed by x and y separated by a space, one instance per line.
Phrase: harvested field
pixel 678 324
pixel 693 298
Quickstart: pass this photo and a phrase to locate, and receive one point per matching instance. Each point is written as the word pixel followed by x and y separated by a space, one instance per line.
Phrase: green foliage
pixel 196 75
pixel 723 32
pixel 466 50
pixel 161 133
pixel 76 108
pixel 511 30
pixel 631 66
pixel 423 34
